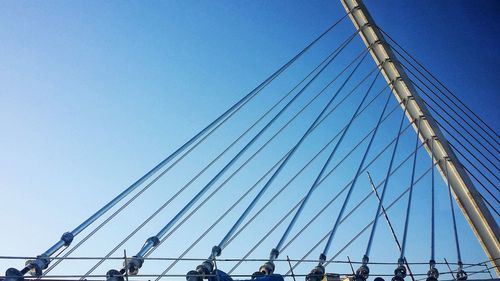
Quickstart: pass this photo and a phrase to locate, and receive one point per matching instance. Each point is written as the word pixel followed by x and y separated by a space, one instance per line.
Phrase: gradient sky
pixel 93 94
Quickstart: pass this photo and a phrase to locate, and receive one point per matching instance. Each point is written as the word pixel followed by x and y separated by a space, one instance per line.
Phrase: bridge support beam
pixel 464 192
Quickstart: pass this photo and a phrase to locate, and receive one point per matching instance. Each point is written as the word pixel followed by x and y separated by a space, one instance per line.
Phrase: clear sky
pixel 94 94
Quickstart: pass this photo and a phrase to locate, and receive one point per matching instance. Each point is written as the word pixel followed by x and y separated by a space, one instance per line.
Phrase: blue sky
pixel 95 94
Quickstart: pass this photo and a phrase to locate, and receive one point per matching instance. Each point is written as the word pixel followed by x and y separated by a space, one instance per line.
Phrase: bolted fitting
pixel 274 254
pixel 194 275
pixel 13 274
pixel 322 259
pixel 316 274
pixel 32 268
pixel 67 238
pixel 216 251
pixel 202 270
pixel 153 240
pixel 134 264
pixel 114 275
pixel 257 274
pixel 433 273
pixel 461 274
pixel 37 266
pixel 399 273
pixel 267 268
pixel 365 260
pixel 362 273
pixel 205 268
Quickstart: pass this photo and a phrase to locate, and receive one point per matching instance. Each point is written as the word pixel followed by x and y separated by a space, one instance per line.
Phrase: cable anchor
pixel 130 266
pixel 433 273
pixel 114 275
pixel 216 251
pixel 400 271
pixel 318 272
pixel 34 267
pixel 202 271
pixel 265 269
pixel 133 265
pixel 461 274
pixel 13 274
pixel 363 271
pixel 67 238
pixel 268 267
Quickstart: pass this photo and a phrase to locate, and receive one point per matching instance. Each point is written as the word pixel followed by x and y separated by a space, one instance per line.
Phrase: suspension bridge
pixel 351 160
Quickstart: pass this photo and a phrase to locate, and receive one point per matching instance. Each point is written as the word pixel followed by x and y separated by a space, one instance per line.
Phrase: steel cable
pixel 208 197
pixel 330 157
pixel 282 189
pixel 386 182
pixel 467 158
pixel 457 244
pixel 433 205
pixel 326 205
pixel 282 165
pixel 360 232
pixel 410 196
pixel 149 247
pixel 494 138
pixel 212 162
pixel 342 209
pixel 460 134
pixel 234 108
pixel 440 105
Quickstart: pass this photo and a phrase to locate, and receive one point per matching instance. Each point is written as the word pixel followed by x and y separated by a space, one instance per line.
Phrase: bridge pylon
pixel 464 191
